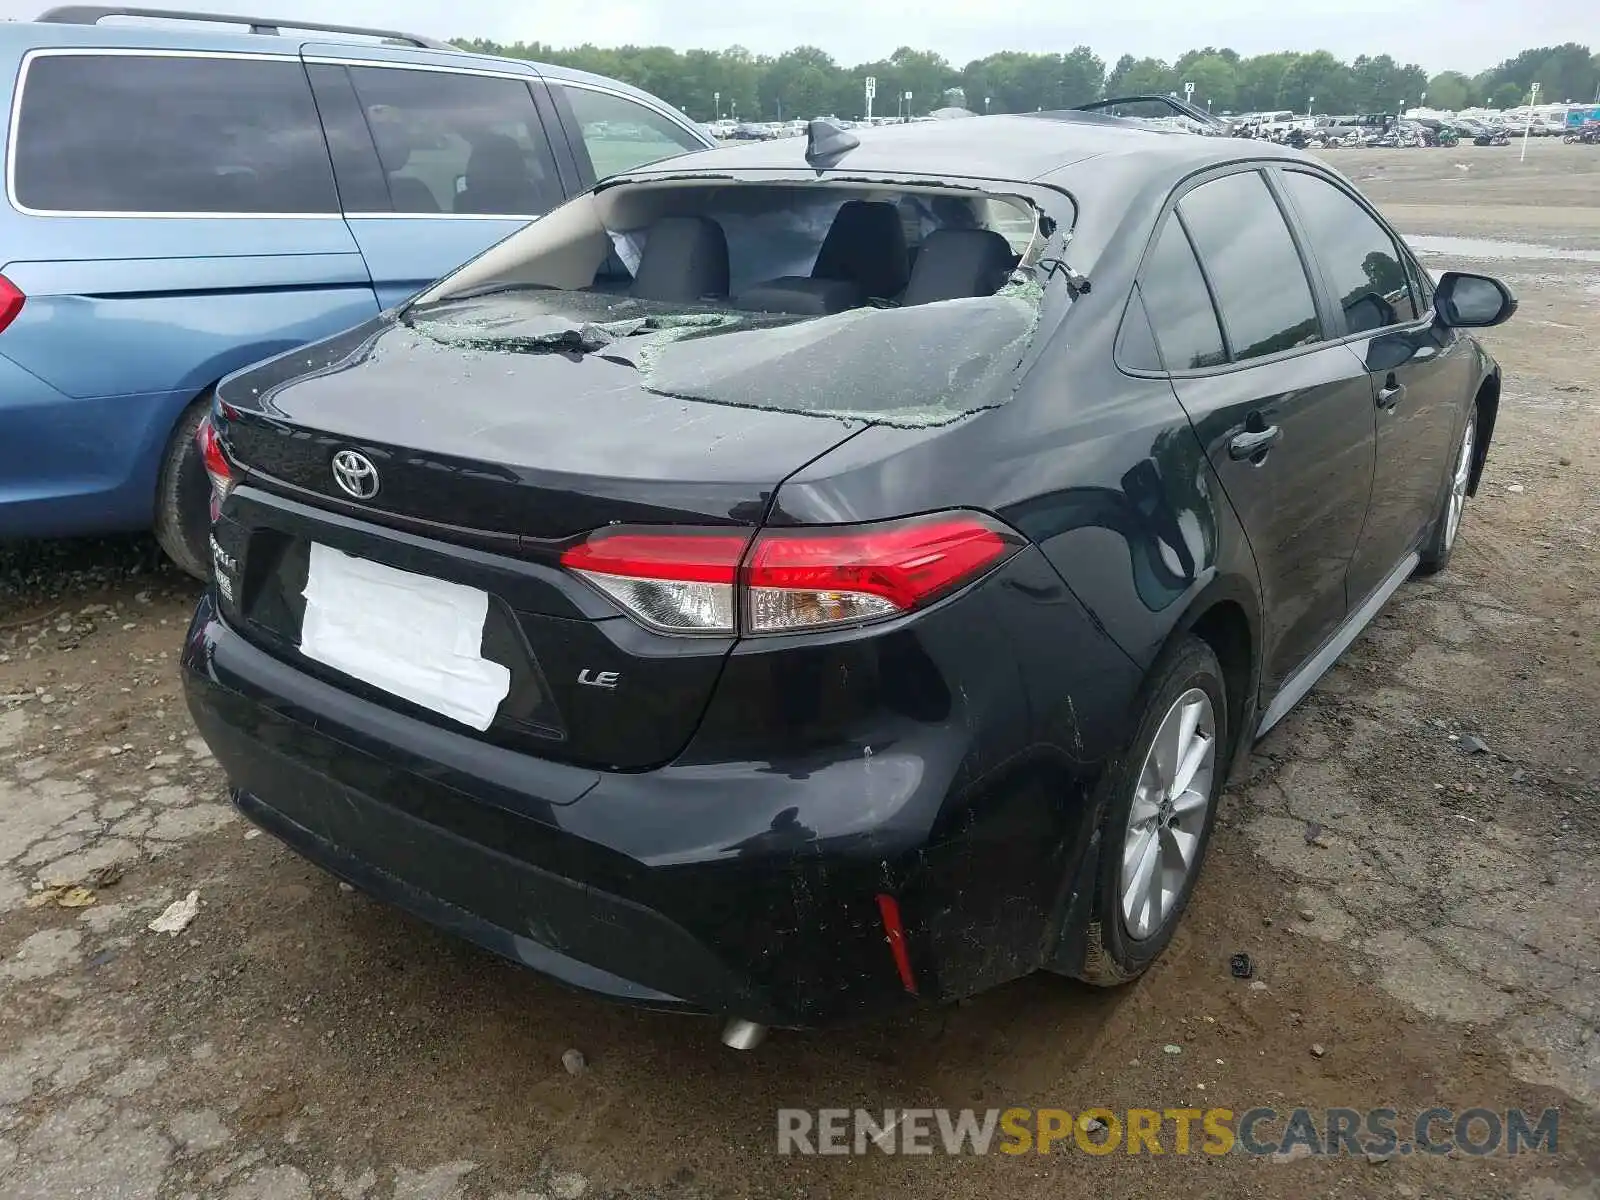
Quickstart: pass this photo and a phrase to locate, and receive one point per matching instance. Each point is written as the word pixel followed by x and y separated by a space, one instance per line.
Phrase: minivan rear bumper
pixel 72 466
pixel 749 889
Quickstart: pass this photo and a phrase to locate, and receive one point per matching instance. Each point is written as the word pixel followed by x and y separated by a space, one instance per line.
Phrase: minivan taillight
pixel 11 302
pixel 218 469
pixel 716 581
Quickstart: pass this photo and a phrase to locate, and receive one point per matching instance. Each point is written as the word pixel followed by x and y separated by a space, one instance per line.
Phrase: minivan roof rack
pixel 93 14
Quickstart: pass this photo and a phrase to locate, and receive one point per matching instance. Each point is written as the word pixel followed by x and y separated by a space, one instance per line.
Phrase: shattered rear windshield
pixel 900 366
pixel 908 367
pixel 532 322
pixel 908 310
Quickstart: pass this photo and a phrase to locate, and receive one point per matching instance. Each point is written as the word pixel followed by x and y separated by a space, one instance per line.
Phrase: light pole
pixel 717 99
pixel 1311 106
pixel 1533 98
pixel 986 100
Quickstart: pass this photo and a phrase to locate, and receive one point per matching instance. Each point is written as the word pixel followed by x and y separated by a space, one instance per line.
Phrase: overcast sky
pixel 1467 35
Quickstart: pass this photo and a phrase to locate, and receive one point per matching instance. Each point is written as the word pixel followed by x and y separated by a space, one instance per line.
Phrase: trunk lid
pixel 542 440
pixel 492 454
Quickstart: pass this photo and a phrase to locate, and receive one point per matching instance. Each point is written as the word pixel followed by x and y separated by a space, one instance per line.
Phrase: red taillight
pixel 692 581
pixel 801 578
pixel 11 302
pixel 685 556
pixel 218 469
pixel 675 580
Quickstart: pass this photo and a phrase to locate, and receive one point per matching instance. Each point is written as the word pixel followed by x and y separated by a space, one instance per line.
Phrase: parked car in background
pixel 182 203
pixel 857 597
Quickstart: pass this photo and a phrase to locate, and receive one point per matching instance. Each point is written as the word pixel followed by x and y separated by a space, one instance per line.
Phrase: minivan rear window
pixel 148 133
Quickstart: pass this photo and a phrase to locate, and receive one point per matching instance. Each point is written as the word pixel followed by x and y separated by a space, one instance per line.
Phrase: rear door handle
pixel 1254 443
pixel 1391 394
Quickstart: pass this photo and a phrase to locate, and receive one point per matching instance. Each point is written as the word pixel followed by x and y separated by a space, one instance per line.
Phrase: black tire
pixel 1112 955
pixel 183 496
pixel 1442 538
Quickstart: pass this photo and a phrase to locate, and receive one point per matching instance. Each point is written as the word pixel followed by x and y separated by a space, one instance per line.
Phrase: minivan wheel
pixel 1447 526
pixel 1160 802
pixel 183 496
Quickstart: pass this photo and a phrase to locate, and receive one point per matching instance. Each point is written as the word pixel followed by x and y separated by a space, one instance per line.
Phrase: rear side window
pixel 125 133
pixel 1180 308
pixel 1361 260
pixel 461 144
pixel 1252 264
pixel 620 134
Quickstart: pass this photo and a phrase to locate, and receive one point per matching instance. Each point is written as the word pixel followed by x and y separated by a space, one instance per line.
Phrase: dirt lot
pixel 1438 939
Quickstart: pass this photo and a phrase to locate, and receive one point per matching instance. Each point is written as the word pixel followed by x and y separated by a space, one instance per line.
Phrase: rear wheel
pixel 1160 806
pixel 1436 551
pixel 183 496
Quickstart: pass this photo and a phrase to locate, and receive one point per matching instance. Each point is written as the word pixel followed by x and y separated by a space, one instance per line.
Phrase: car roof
pixel 1117 171
pixel 1016 149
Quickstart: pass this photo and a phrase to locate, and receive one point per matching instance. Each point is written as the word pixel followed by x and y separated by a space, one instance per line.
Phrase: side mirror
pixel 1465 301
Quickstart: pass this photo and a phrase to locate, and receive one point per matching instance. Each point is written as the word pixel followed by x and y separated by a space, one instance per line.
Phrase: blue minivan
pixel 187 194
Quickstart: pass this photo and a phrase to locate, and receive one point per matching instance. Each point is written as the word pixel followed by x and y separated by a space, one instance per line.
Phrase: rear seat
pixel 801 295
pixel 957 263
pixel 685 260
pixel 863 258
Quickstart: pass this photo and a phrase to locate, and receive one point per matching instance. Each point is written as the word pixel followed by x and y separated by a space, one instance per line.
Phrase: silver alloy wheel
pixel 1168 813
pixel 1458 484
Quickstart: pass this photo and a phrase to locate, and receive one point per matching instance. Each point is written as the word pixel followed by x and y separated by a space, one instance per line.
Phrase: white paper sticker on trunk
pixel 416 637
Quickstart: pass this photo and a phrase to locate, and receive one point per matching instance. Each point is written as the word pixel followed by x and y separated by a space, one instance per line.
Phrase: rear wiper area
pixel 551 333
pixel 576 337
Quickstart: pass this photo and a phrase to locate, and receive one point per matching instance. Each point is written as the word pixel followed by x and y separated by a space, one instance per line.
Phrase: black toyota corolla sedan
pixel 806 579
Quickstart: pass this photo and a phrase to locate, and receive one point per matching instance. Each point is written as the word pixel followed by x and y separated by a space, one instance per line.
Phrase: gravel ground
pixel 1424 916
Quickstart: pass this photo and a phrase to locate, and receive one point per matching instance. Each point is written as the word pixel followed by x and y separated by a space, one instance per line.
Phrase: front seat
pixel 955 263
pixel 866 246
pixel 497 179
pixel 685 259
pixel 394 144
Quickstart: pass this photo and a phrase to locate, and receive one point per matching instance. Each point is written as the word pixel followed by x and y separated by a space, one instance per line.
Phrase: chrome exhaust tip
pixel 739 1034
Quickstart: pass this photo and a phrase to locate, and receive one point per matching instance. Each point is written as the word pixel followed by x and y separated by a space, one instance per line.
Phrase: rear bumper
pixel 495 850
pixel 742 884
pixel 420 891
pixel 697 888
pixel 78 466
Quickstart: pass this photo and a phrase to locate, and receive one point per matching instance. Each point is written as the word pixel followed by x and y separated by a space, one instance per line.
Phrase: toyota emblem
pixel 355 474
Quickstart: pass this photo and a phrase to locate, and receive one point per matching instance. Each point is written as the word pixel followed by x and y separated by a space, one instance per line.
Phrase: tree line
pixel 807 82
